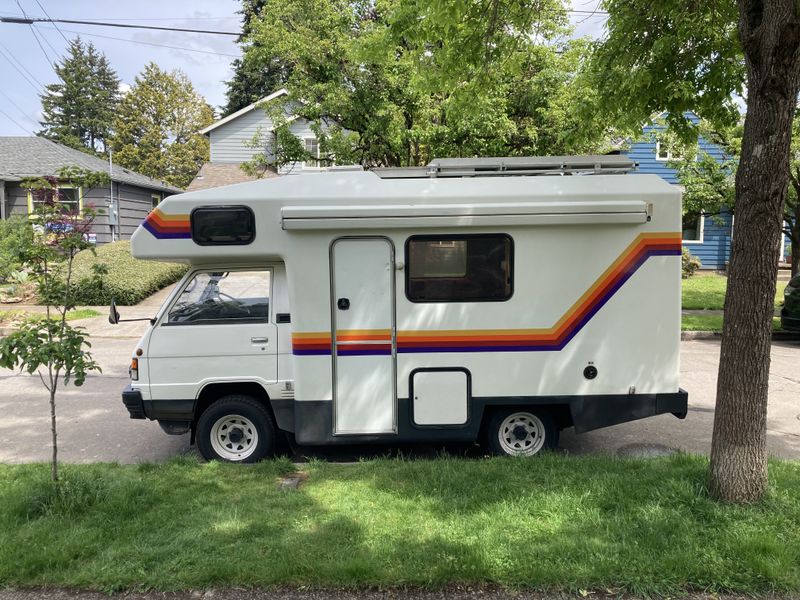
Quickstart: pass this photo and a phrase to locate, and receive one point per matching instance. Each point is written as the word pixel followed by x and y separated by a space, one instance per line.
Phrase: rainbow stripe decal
pixel 167 227
pixel 553 339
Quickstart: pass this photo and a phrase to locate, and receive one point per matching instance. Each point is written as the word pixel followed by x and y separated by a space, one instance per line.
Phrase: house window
pixel 155 199
pixel 692 227
pixel 459 268
pixel 71 200
pixel 312 148
pixel 223 226
pixel 668 152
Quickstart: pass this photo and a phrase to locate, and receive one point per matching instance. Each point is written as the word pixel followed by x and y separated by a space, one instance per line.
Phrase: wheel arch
pixel 214 390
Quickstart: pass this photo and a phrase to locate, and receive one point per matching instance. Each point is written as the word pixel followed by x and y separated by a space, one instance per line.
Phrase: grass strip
pixel 73 315
pixel 555 523
pixel 707 292
pixel 714 323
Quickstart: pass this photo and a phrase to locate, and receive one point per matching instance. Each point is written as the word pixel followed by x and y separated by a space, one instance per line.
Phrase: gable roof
pixel 22 157
pixel 246 109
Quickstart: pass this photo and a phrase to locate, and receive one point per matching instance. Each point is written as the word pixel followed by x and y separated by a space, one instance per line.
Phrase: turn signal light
pixel 134 370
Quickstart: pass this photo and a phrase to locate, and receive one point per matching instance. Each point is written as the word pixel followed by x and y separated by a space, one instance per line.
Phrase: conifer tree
pixel 79 109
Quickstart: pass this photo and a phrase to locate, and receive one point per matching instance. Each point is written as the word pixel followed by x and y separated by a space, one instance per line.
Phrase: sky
pixel 25 67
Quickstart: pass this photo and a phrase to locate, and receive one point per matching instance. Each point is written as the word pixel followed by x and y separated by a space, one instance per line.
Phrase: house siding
pixel 714 250
pixel 229 142
pixel 134 204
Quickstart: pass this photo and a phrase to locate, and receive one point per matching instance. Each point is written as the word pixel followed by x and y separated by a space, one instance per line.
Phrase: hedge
pixel 128 280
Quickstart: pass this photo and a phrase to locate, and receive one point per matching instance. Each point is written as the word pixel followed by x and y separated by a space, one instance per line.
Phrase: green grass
pixel 128 281
pixel 554 523
pixel 713 323
pixel 74 314
pixel 707 292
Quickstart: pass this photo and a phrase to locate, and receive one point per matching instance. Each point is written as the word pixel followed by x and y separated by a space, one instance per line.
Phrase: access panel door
pixel 362 286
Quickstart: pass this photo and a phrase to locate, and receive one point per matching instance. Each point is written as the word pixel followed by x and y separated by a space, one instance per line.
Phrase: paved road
pixel 94 425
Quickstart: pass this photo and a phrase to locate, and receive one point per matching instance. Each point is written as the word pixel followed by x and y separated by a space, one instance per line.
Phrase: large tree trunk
pixel 770 36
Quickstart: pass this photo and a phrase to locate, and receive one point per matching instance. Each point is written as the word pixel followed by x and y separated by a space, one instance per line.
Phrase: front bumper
pixel 132 399
pixel 790 322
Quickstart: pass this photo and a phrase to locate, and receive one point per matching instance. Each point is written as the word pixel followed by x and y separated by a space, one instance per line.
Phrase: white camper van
pixel 493 300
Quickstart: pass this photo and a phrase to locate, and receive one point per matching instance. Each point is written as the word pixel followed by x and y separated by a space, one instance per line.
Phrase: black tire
pixel 531 445
pixel 255 439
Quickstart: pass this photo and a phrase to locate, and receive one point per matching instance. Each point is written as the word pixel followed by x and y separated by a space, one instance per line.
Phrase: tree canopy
pixel 156 127
pixel 398 83
pixel 79 109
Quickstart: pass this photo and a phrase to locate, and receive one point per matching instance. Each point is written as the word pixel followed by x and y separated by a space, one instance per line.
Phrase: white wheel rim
pixel 234 437
pixel 521 434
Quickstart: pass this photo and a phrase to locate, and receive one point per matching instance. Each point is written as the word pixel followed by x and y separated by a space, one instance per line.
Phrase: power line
pixel 46 14
pixel 13 120
pixel 24 20
pixel 109 37
pixel 36 37
pixel 17 106
pixel 20 71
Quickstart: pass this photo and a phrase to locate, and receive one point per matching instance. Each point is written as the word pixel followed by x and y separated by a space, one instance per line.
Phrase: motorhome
pixel 473 300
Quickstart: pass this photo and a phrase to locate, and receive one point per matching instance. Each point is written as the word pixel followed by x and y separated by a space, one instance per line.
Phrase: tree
pixel 78 110
pixel 50 347
pixel 676 57
pixel 396 83
pixel 156 127
pixel 252 81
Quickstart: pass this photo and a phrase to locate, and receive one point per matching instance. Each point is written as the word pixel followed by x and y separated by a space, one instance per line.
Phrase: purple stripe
pixel 181 235
pixel 341 352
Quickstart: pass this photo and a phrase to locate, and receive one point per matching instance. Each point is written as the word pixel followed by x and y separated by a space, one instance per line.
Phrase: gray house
pixel 123 204
pixel 231 144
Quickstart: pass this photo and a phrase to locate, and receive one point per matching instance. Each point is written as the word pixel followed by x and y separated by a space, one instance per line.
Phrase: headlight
pixel 788 291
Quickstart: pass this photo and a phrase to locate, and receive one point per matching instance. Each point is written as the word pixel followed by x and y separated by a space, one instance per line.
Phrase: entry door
pixel 362 283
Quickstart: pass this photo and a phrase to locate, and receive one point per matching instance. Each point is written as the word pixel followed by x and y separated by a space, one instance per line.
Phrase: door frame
pixel 393 297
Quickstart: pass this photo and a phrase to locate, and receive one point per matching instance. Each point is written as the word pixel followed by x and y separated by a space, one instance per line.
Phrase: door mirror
pixel 113 314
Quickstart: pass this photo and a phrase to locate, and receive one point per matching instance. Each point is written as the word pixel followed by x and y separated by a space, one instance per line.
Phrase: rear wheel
pixel 524 432
pixel 236 429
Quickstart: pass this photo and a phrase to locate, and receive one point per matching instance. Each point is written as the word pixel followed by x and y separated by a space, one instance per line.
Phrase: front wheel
pixel 524 432
pixel 236 429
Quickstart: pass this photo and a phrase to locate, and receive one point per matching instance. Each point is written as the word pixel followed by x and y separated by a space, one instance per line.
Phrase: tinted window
pixel 459 268
pixel 221 297
pixel 223 226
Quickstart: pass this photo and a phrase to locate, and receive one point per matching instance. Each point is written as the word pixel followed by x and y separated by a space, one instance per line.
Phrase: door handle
pixel 259 340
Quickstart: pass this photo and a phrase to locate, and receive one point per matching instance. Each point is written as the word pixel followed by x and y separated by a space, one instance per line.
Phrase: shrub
pixel 689 263
pixel 16 236
pixel 128 279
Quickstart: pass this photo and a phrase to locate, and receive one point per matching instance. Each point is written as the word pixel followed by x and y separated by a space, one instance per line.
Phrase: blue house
pixel 708 237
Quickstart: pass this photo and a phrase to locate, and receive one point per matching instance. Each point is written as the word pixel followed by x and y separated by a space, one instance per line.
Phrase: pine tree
pixel 156 127
pixel 78 110
pixel 253 79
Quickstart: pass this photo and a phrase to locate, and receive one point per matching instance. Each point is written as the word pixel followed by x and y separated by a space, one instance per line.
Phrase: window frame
pixel 155 200
pixel 216 207
pixel 58 189
pixel 701 230
pixel 670 156
pixel 457 237
pixel 305 164
pixel 164 318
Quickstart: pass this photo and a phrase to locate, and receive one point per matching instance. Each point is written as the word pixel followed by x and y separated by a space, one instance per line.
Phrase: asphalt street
pixel 94 425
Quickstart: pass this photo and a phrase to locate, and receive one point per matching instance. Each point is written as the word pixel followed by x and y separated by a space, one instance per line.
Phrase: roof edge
pixel 242 111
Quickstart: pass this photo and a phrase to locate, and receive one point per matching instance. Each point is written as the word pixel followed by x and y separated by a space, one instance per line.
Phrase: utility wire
pixel 46 14
pixel 13 120
pixel 17 106
pixel 36 37
pixel 31 79
pixel 24 20
pixel 109 37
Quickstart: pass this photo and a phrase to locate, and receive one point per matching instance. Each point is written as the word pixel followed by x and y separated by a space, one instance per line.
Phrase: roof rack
pixel 513 165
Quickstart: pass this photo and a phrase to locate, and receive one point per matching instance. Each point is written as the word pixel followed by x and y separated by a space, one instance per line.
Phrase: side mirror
pixel 113 314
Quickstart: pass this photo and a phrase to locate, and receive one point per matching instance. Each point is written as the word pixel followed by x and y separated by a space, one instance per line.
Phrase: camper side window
pixel 223 225
pixel 459 268
pixel 223 297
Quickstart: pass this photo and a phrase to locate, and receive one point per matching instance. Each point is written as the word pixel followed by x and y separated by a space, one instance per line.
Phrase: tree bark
pixel 54 466
pixel 770 35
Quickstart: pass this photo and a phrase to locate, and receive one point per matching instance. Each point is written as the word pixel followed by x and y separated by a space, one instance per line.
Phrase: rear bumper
pixel 132 399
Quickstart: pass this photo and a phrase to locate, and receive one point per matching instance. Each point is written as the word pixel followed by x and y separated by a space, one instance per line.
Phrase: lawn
pixel 12 315
pixel 707 292
pixel 556 523
pixel 713 323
